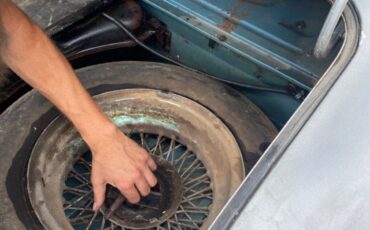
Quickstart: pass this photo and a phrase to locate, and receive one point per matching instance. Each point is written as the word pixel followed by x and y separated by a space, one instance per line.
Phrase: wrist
pixel 99 133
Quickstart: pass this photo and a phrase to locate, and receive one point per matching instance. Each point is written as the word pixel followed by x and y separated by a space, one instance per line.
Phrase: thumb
pixel 99 195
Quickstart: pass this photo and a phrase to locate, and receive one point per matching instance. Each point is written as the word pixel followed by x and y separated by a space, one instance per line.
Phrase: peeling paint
pixel 142 119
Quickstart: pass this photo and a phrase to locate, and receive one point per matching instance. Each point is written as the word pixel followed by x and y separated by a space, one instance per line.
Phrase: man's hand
pixel 116 159
pixel 119 161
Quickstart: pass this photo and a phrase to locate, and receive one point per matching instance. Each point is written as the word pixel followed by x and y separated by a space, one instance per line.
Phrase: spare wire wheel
pixel 199 166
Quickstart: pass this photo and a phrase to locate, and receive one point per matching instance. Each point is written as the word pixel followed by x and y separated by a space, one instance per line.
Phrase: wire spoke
pixel 173 152
pixel 208 189
pixel 188 216
pixel 201 178
pixel 81 215
pixel 191 172
pixel 83 185
pixel 76 190
pixel 170 149
pixel 161 151
pixel 79 177
pixel 208 196
pixel 102 224
pixel 205 212
pixel 159 142
pixel 161 228
pixel 142 139
pixel 144 144
pixel 190 169
pixel 169 225
pixel 78 200
pixel 91 221
pixel 79 209
pixel 190 220
pixel 196 208
pixel 189 202
pixel 176 218
pixel 183 224
pixel 185 156
pixel 85 209
pixel 85 163
pixel 190 188
pixel 81 219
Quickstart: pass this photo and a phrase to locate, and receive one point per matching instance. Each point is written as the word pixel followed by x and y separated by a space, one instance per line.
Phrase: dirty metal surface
pixel 96 34
pixel 48 12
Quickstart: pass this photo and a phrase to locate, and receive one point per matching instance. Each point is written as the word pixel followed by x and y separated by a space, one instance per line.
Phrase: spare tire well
pixel 247 123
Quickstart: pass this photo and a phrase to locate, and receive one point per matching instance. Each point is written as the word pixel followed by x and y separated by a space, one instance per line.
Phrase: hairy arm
pixel 2 47
pixel 116 159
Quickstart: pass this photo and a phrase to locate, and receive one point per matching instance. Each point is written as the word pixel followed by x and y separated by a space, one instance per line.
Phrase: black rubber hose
pixel 243 85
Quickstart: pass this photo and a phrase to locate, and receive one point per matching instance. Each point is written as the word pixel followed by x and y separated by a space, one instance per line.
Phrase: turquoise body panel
pixel 260 42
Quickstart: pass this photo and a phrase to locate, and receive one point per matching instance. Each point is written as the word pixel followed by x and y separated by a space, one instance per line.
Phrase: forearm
pixel 31 54
pixel 117 160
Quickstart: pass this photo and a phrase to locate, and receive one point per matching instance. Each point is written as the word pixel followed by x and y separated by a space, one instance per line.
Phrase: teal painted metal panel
pixel 276 35
pixel 260 42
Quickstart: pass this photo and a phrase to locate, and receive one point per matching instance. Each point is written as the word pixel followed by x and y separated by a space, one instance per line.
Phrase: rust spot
pixel 237 12
pixel 227 25
pixel 241 9
pixel 222 38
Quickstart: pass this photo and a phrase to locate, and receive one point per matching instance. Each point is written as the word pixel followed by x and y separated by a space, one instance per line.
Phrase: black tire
pixel 23 122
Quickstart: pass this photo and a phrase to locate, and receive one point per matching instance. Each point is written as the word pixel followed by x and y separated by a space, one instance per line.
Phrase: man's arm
pixel 3 67
pixel 117 160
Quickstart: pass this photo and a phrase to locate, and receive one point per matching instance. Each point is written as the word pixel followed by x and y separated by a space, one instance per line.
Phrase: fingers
pixel 130 171
pixel 99 194
pixel 150 178
pixel 152 164
pixel 147 181
pixel 143 186
pixel 147 160
pixel 130 192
